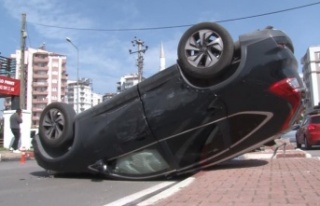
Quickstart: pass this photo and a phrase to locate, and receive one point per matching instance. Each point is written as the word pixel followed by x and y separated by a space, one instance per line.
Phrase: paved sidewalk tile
pixel 284 181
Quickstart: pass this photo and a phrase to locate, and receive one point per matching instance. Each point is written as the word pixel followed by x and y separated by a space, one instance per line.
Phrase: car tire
pixel 205 50
pixel 298 144
pixel 56 125
pixel 307 146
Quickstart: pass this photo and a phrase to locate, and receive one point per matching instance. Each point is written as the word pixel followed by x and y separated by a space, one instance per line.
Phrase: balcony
pixel 64 77
pixel 40 76
pixel 35 92
pixel 40 84
pixel 35 118
pixel 39 101
pixel 38 68
pixel 37 110
pixel 41 59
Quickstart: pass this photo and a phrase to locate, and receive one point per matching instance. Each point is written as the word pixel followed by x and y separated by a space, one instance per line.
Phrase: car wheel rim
pixel 53 124
pixel 204 48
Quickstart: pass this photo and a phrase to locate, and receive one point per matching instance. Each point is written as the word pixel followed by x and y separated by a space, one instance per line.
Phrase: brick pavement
pixel 264 182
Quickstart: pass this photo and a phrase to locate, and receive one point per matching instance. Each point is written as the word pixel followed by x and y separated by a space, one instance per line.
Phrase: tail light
pixel 290 90
pixel 311 127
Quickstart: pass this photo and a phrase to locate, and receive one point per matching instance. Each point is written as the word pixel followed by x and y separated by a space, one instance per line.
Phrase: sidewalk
pixel 6 155
pixel 254 179
pixel 284 181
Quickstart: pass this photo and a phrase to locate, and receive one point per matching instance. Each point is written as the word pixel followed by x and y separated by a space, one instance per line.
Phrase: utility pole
pixel 77 85
pixel 141 50
pixel 22 66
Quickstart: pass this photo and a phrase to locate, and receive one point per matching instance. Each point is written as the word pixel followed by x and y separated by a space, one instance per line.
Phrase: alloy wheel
pixel 204 48
pixel 53 124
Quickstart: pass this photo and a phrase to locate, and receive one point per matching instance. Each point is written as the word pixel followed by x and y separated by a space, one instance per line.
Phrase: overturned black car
pixel 221 99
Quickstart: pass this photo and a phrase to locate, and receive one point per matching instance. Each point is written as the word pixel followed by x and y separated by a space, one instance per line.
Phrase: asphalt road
pixel 314 151
pixel 28 184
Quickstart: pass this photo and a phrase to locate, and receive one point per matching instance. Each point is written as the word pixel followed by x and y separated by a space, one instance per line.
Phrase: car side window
pixel 143 162
pixel 315 119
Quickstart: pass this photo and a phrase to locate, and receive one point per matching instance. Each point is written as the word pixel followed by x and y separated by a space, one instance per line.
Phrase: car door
pixel 185 118
pixel 114 128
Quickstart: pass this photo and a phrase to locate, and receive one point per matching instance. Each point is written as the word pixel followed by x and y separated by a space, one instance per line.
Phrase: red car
pixel 309 132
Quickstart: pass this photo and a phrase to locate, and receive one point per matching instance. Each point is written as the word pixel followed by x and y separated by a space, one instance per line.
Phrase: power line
pixel 269 13
pixel 179 26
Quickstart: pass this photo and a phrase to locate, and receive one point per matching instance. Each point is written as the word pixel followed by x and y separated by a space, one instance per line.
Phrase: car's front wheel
pixel 56 125
pixel 205 50
pixel 298 144
pixel 306 143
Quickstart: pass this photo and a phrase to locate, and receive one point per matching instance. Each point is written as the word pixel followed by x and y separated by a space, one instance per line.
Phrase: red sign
pixel 9 86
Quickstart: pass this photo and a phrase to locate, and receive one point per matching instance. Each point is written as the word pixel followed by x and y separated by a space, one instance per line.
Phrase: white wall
pixel 25 140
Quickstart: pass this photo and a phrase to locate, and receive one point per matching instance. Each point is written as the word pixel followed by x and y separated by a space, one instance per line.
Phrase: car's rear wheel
pixel 205 50
pixel 56 125
pixel 306 143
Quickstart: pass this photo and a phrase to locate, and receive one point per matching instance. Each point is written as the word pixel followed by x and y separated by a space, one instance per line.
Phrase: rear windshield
pixel 315 119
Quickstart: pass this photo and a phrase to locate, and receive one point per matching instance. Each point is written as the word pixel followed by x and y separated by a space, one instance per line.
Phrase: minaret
pixel 162 58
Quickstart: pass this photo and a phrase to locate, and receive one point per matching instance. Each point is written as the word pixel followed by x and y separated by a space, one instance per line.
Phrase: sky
pixel 103 29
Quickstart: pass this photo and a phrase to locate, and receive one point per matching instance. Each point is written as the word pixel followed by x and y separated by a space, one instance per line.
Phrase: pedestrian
pixel 15 121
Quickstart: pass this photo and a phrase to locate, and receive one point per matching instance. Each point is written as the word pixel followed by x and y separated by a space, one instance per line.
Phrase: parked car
pixel 290 134
pixel 221 99
pixel 309 132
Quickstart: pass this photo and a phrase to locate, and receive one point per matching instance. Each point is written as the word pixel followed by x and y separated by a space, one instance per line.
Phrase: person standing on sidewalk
pixel 15 121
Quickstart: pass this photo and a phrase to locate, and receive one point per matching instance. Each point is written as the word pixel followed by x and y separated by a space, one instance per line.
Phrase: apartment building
pixel 108 96
pixel 45 80
pixel 81 96
pixel 127 81
pixel 311 76
pixel 96 98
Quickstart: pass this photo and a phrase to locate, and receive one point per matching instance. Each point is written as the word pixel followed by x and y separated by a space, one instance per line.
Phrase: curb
pixel 298 153
pixel 8 156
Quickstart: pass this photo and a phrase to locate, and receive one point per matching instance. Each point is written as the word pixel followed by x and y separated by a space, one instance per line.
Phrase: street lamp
pixel 77 85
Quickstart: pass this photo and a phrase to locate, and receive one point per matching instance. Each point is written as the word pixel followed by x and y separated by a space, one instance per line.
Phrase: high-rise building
pixel 127 81
pixel 81 96
pixel 96 98
pixel 311 76
pixel 45 80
